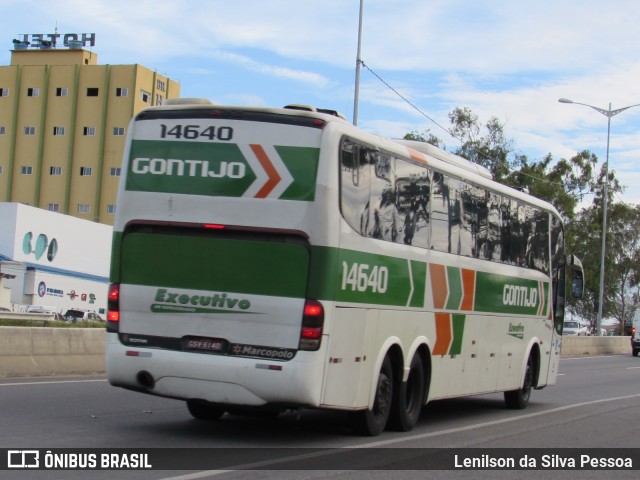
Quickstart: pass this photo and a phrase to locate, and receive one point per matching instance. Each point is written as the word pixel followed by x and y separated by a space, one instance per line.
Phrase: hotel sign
pixel 40 40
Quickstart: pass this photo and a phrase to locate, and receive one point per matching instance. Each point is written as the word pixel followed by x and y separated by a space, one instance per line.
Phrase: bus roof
pixel 433 156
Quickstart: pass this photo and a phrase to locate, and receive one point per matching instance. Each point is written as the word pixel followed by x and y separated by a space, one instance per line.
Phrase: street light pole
pixel 607 113
pixel 356 96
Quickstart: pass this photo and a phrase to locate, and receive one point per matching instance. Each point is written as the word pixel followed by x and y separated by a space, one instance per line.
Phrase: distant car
pixel 3 309
pixel 574 328
pixel 635 341
pixel 75 315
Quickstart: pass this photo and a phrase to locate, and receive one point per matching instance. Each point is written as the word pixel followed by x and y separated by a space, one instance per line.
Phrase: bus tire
pixel 409 398
pixel 203 410
pixel 519 398
pixel 372 422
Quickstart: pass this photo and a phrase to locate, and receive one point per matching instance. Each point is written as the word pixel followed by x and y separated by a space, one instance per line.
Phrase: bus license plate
pixel 205 344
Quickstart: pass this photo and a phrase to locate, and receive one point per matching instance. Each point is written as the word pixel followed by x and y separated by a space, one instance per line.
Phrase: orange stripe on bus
pixel 417 156
pixel 272 173
pixel 468 288
pixel 443 334
pixel 439 286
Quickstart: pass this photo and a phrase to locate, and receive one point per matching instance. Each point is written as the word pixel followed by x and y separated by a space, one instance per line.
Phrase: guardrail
pixel 41 351
pixel 580 346
pixel 43 318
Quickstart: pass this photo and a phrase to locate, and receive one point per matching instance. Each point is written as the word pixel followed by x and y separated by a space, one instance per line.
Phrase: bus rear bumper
pixel 215 378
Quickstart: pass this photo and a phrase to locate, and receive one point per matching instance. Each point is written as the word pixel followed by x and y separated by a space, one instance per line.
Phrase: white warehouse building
pixel 53 260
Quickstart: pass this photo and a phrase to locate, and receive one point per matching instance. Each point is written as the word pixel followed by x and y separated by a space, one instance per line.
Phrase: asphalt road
pixel 596 404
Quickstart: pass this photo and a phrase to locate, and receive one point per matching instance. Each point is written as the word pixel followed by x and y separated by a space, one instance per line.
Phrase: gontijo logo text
pixel 520 296
pixel 190 168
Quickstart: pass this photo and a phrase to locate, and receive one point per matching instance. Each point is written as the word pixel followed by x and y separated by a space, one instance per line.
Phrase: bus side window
pixel 354 186
pixel 412 188
pixel 383 198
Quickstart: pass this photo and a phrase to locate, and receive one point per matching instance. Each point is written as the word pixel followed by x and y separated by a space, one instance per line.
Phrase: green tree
pixel 486 146
pixel 563 183
pixel 622 261
pixel 426 137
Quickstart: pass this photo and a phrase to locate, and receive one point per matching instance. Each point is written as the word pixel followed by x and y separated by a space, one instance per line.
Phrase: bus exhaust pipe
pixel 145 379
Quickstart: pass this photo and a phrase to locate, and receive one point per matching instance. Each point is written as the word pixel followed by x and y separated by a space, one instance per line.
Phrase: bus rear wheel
pixel 518 399
pixel 372 422
pixel 203 410
pixel 409 399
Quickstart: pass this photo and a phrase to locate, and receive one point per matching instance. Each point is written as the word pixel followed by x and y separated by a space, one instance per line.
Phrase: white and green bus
pixel 268 259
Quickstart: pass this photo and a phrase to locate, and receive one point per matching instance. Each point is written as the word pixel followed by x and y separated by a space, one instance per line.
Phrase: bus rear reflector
pixel 312 324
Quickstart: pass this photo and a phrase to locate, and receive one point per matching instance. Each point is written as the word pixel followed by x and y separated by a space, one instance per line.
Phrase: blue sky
pixel 511 60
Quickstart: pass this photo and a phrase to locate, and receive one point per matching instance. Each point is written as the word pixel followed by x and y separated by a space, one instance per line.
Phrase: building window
pixel 122 92
pixel 118 131
pixel 29 130
pixel 33 92
pixel 54 207
pixel 4 92
pixel 1 169
pixel 55 170
pixel 26 170
pixel 115 171
pixel 85 171
pixel 83 208
pixel 58 130
pixel 92 92
pixel 111 209
pixel 158 99
pixel 89 131
pixel 62 92
pixel 3 130
pixel 145 96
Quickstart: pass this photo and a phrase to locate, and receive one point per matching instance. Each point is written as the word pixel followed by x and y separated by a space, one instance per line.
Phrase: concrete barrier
pixel 580 346
pixel 38 351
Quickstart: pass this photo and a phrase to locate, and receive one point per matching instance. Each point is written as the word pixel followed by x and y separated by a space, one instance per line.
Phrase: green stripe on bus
pixel 419 274
pixel 379 279
pixel 458 321
pixel 302 163
pixel 505 294
pixel 333 274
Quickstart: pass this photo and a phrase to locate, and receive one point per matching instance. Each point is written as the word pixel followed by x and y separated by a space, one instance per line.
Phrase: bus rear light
pixel 214 226
pixel 312 324
pixel 113 308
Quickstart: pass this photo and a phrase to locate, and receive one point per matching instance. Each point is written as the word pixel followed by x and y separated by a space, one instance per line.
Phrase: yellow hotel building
pixel 63 122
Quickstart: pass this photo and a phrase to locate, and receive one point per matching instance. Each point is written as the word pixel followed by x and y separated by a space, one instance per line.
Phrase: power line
pixel 408 102
pixel 449 131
